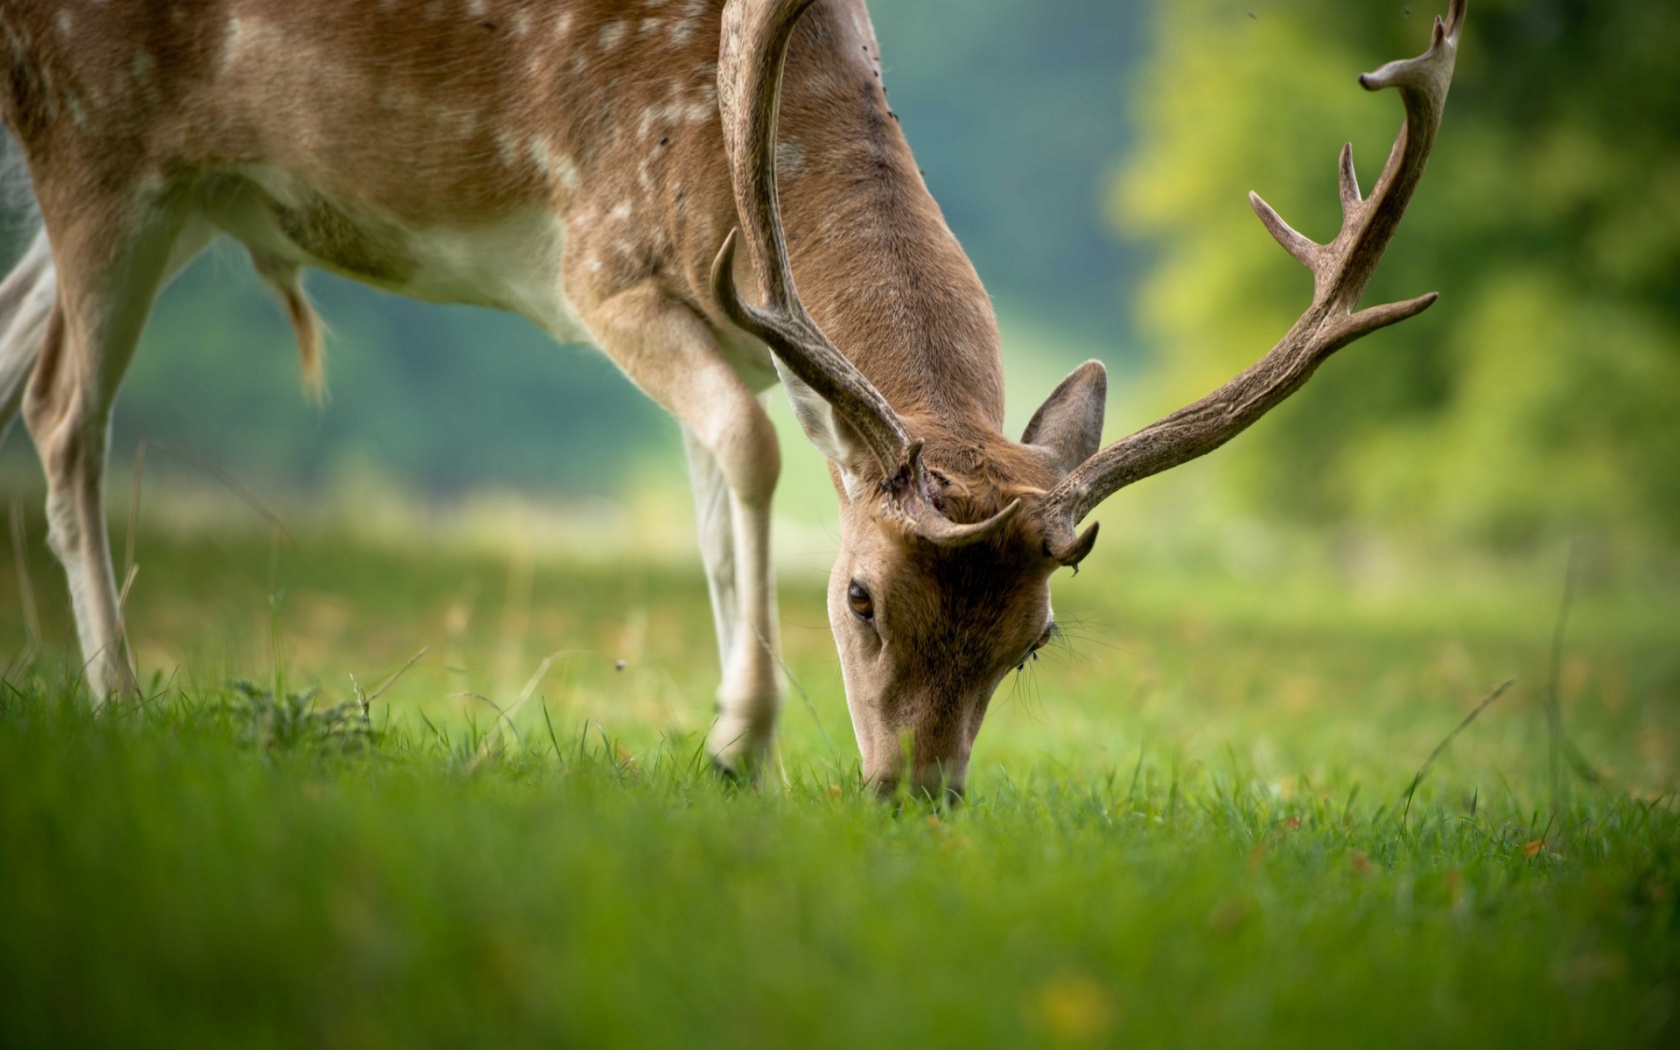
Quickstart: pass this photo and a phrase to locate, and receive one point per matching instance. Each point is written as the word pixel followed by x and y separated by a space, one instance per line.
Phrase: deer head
pixel 949 532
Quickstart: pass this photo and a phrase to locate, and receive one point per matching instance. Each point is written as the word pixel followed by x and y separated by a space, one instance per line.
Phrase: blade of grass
pixel 389 682
pixel 26 591
pixel 551 737
pixel 232 485
pixel 1554 701
pixel 1443 745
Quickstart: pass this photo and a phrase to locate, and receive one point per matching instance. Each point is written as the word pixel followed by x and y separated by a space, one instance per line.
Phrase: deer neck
pixel 885 279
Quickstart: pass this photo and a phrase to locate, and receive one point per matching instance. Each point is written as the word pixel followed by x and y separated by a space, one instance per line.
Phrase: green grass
pixel 1184 830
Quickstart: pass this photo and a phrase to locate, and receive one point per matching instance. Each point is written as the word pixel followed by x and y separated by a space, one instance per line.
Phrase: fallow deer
pixel 591 164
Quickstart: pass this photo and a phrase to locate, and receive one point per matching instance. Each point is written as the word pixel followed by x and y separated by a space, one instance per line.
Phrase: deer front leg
pixel 713 522
pixel 734 460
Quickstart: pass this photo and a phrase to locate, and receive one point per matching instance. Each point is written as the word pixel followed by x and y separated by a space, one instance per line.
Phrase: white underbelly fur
pixel 514 263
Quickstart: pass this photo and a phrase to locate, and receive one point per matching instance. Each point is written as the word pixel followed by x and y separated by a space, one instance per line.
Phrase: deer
pixel 714 193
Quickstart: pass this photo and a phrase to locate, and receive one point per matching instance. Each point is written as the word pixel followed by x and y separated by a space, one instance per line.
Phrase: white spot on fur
pixel 567 171
pixel 790 159
pixel 650 116
pixel 521 23
pixel 231 42
pixel 66 23
pixel 562 25
pixel 685 27
pixel 622 210
pixel 647 26
pixel 594 264
pixel 611 35
pixel 477 8
pixel 507 148
pixel 466 123
pixel 77 111
pixel 541 156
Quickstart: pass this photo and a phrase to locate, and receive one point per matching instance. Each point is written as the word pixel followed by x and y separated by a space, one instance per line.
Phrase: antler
pixel 756 34
pixel 1340 271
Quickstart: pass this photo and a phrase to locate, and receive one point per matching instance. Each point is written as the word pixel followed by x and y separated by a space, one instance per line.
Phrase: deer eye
pixel 1043 640
pixel 863 606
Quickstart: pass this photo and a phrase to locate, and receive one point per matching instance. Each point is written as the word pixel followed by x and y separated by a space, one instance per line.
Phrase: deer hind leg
pixel 734 461
pixel 111 261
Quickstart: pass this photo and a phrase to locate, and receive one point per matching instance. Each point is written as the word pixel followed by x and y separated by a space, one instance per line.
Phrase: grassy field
pixel 1187 827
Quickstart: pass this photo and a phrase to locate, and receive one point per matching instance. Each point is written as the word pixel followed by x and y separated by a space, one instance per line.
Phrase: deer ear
pixel 1067 428
pixel 837 441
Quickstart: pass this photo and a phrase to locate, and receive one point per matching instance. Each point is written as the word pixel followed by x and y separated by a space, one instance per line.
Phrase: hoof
pixel 731 776
pixel 739 748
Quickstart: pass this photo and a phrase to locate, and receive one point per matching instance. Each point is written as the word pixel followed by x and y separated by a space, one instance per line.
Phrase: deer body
pixel 493 152
pixel 580 162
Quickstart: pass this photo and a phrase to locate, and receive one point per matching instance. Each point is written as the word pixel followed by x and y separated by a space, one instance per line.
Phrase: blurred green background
pixel 1093 156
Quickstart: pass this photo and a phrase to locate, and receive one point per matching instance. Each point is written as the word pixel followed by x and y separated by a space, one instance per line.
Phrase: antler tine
pixel 1340 269
pixel 756 34
pixel 1349 181
pixel 1304 249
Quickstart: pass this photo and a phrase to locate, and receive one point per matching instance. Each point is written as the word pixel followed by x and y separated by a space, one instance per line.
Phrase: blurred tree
pixel 1542 393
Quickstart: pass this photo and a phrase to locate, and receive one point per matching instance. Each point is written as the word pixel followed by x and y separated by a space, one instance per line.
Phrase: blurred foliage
pixel 1542 393
pixel 441 399
pixel 1016 111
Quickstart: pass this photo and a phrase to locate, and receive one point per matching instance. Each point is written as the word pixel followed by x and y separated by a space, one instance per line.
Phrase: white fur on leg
pixel 717 540
pixel 26 298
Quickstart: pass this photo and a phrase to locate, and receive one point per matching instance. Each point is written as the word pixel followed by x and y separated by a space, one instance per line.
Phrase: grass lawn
pixel 1185 828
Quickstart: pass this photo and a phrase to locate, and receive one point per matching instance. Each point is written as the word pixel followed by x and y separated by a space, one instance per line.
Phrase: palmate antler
pixel 1340 271
pixel 754 50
